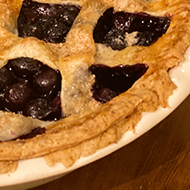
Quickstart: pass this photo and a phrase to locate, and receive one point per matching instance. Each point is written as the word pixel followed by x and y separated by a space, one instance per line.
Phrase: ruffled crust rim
pixel 107 123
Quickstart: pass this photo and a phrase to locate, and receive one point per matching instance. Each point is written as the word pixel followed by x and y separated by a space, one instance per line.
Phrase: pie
pixel 75 75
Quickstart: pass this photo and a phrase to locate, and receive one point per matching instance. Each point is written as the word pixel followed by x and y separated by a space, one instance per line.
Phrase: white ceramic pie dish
pixel 34 172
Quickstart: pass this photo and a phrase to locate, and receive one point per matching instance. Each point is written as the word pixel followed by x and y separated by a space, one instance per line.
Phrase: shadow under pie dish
pixel 76 75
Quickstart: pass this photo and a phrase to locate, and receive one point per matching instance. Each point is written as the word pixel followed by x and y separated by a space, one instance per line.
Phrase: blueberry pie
pixel 75 75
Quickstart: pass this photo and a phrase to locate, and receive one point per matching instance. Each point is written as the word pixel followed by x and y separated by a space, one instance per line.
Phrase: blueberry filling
pixel 30 88
pixel 112 28
pixel 6 79
pixel 112 81
pixel 46 81
pixel 38 108
pixel 16 97
pixel 48 22
pixel 36 131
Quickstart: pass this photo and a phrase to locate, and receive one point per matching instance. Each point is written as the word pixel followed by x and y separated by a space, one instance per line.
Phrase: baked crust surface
pixel 90 125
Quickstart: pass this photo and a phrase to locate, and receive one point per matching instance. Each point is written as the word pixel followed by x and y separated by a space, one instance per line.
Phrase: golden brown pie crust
pixel 91 125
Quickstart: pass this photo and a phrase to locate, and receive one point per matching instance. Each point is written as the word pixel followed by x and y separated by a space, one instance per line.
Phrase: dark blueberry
pixel 34 30
pixel 56 32
pixel 115 39
pixel 6 79
pixel 145 38
pixel 46 81
pixel 144 22
pixel 150 28
pixel 24 67
pixel 38 108
pixel 104 95
pixel 68 14
pixel 48 22
pixel 17 96
pixel 36 131
pixel 103 26
pixel 112 81
pixel 112 28
pixel 1 102
pixel 20 80
pixel 56 112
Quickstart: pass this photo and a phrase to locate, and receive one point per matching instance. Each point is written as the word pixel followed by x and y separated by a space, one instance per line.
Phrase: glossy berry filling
pixel 48 22
pixel 36 131
pixel 112 28
pixel 112 81
pixel 30 88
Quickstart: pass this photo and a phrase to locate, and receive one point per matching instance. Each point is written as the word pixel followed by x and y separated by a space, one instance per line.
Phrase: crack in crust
pixel 97 125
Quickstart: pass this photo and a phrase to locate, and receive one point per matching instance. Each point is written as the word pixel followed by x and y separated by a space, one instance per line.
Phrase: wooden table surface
pixel 158 160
